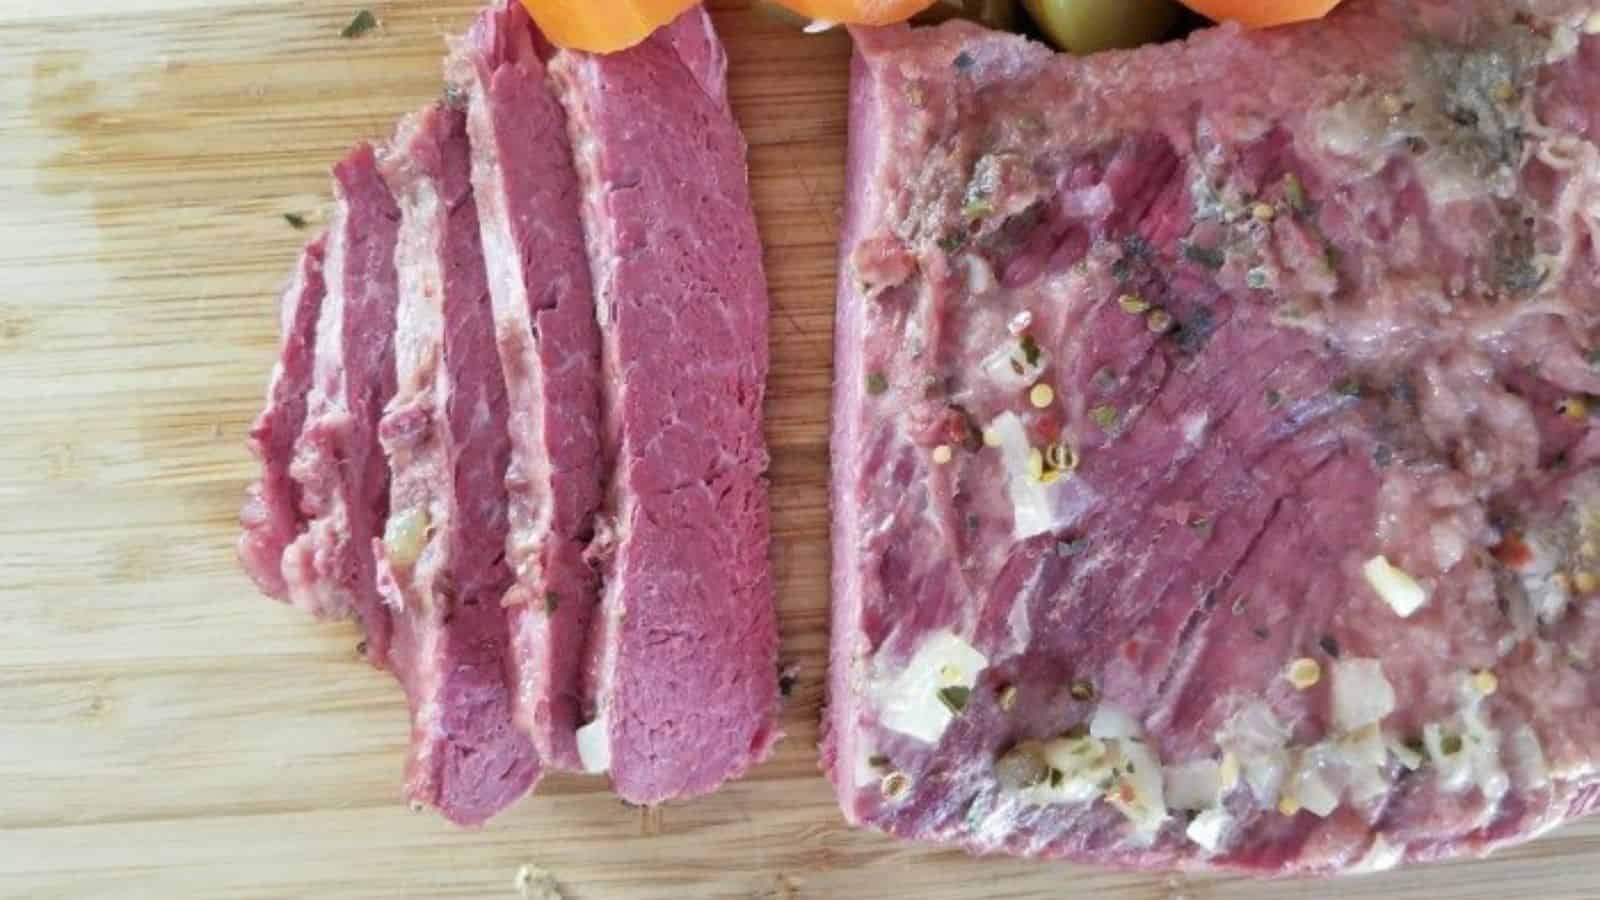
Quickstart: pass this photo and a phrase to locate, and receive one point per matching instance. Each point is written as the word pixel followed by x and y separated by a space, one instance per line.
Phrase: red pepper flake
pixel 1512 551
pixel 1048 427
pixel 1130 651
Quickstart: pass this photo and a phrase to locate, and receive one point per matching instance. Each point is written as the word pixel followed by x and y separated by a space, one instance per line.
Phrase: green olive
pixel 1002 14
pixel 1085 26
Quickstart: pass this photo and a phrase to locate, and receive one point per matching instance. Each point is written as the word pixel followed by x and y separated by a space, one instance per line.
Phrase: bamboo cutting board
pixel 165 732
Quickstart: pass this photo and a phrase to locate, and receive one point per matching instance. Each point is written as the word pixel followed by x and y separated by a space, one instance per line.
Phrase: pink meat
pixel 684 687
pixel 528 201
pixel 1279 332
pixel 271 515
pixel 441 562
pixel 338 466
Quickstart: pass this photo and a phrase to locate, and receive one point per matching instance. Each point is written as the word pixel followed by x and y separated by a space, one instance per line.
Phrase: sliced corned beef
pixel 528 200
pixel 271 516
pixel 1214 475
pixel 441 560
pixel 338 466
pixel 684 688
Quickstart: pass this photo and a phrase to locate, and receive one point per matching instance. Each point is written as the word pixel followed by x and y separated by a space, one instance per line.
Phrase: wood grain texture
pixel 164 732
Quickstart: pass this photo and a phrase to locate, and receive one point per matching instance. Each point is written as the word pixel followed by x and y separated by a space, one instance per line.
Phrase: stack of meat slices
pixel 515 428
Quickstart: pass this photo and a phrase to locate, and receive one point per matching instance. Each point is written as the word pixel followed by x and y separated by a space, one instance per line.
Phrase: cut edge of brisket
pixel 338 468
pixel 844 652
pixel 271 516
pixel 683 653
pixel 548 340
pixel 441 561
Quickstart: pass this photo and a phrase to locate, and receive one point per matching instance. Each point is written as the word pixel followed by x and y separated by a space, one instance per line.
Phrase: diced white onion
pixel 1112 722
pixel 1209 828
pixel 594 746
pixel 1397 588
pixel 1193 785
pixel 910 703
pixel 1361 694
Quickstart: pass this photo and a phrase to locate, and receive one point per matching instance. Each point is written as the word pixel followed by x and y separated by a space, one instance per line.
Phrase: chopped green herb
pixel 1334 256
pixel 1106 417
pixel 1200 524
pixel 1294 193
pixel 953 241
pixel 1057 778
pixel 363 22
pixel 1210 257
pixel 877 383
pixel 978 208
pixel 1030 350
pixel 551 603
pixel 1133 304
pixel 955 698
pixel 1082 690
pixel 1347 387
pixel 295 220
pixel 1450 744
pixel 1274 398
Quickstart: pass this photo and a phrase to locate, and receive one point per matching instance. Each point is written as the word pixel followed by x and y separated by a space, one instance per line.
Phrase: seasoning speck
pixel 1159 321
pixel 1575 408
pixel 1007 697
pixel 534 883
pixel 1133 304
pixel 1263 212
pixel 1485 682
pixel 1288 805
pixel 363 22
pixel 1329 645
pixel 1041 396
pixel 963 61
pixel 1304 672
pixel 877 383
pixel 1209 257
pixel 1061 458
pixel 895 785
pixel 955 698
pixel 1106 417
pixel 1082 690
pixel 551 603
pixel 991 437
pixel 295 220
pixel 1585 581
pixel 1347 387
pixel 1274 398
pixel 942 454
pixel 1294 192
pixel 1256 279
pixel 1030 349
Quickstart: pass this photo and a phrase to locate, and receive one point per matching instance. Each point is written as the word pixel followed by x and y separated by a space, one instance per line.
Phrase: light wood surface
pixel 164 731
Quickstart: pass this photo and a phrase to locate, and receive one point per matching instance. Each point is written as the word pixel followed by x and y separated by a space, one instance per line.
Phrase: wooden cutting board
pixel 164 731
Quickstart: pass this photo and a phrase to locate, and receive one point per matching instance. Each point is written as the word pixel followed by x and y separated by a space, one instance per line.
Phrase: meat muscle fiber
pixel 441 559
pixel 684 686
pixel 1214 473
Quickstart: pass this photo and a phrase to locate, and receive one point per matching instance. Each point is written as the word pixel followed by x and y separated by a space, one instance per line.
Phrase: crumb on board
pixel 534 883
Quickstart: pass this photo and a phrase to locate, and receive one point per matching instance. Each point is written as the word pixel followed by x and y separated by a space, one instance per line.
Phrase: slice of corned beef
pixel 441 560
pixel 684 684
pixel 1214 478
pixel 271 515
pixel 338 466
pixel 528 200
